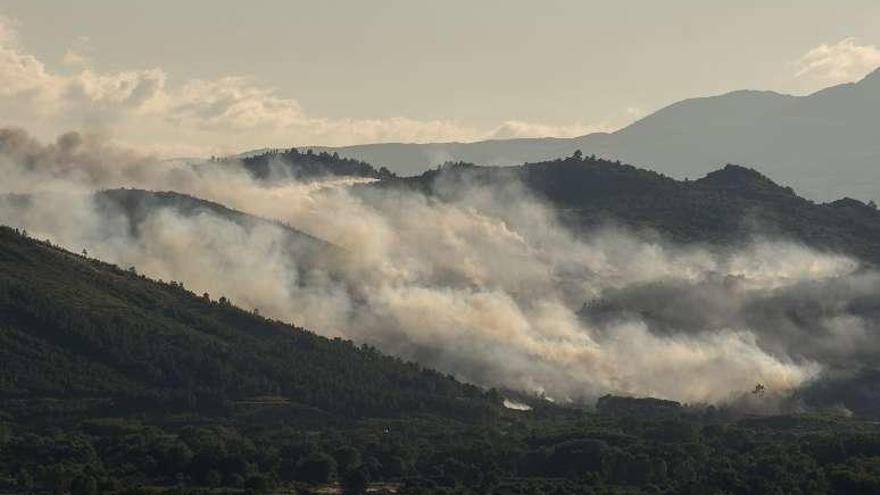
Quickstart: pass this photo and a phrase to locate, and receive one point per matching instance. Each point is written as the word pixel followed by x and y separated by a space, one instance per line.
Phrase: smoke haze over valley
pixel 439 248
pixel 482 281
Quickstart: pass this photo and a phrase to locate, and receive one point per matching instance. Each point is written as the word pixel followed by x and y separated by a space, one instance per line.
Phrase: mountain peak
pixel 851 203
pixel 739 177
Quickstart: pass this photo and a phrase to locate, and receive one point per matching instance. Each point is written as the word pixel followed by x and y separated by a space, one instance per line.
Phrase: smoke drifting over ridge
pixel 488 287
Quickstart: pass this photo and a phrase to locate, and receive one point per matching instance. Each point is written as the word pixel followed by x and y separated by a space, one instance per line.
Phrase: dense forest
pixel 294 164
pixel 726 207
pixel 111 382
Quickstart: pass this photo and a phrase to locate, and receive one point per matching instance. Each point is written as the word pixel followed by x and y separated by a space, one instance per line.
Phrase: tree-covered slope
pixel 113 383
pixel 291 163
pixel 729 205
pixel 73 327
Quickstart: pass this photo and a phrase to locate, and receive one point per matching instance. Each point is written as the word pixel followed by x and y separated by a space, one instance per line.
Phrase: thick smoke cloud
pixel 487 286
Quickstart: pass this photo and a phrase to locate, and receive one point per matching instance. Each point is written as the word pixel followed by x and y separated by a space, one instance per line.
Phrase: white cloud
pixel 839 62
pixel 21 74
pixel 146 108
pixel 128 88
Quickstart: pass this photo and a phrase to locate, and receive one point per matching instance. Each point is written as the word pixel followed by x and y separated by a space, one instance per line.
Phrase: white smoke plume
pixel 488 287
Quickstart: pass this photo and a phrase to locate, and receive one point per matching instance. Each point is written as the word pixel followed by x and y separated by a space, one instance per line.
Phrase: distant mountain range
pixel 825 145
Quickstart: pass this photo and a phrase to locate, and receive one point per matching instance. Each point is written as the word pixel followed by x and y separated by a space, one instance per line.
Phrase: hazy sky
pixel 195 77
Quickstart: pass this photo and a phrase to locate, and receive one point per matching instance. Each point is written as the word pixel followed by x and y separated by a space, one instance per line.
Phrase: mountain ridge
pixel 793 139
pixel 729 205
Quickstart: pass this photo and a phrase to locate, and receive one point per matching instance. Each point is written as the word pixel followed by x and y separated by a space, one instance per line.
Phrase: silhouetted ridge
pixel 853 204
pixel 741 178
pixel 293 164
pixel 824 144
pixel 728 206
pixel 139 204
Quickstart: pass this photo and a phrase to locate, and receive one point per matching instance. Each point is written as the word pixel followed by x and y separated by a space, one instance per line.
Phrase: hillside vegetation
pixel 294 164
pixel 728 206
pixel 110 381
pixel 74 327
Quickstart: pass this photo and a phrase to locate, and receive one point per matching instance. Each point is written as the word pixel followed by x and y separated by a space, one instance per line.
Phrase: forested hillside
pixel 728 206
pixel 291 163
pixel 74 327
pixel 110 381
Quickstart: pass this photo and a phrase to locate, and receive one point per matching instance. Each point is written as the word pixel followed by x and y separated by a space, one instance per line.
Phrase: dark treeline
pixel 291 163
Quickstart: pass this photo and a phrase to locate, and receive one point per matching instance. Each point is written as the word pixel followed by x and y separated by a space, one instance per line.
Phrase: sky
pixel 200 77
